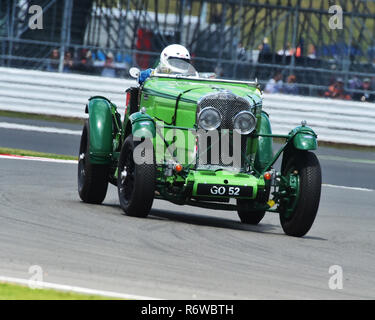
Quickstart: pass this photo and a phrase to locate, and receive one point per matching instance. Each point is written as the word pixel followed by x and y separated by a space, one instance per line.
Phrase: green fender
pixel 100 119
pixel 304 138
pixel 143 126
pixel 264 154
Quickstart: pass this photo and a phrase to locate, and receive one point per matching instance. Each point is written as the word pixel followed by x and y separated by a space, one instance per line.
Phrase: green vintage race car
pixel 201 142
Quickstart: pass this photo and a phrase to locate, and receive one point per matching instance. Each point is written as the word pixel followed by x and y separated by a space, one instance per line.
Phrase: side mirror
pixel 134 72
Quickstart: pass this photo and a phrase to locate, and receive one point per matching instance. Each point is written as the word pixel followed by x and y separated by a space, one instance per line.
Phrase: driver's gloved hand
pixel 143 75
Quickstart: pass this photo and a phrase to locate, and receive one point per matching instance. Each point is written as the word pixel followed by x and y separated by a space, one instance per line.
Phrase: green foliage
pixel 17 292
pixel 30 153
pixel 44 117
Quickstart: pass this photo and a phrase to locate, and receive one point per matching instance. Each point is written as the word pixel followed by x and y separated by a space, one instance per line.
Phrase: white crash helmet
pixel 175 52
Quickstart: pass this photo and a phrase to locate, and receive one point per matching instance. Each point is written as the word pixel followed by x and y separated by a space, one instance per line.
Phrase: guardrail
pixel 335 121
pixel 61 94
pixel 66 95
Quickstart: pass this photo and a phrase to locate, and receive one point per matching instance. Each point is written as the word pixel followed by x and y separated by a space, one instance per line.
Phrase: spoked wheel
pixel 92 178
pixel 301 185
pixel 136 181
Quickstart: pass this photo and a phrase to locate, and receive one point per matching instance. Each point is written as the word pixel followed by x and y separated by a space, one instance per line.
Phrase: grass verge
pixel 30 153
pixel 18 292
pixel 44 117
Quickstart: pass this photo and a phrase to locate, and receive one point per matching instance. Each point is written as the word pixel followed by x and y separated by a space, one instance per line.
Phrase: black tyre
pixel 246 215
pixel 298 213
pixel 92 178
pixel 136 182
pixel 245 208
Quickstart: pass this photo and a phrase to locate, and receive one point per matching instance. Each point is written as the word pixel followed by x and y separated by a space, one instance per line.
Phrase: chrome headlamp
pixel 209 118
pixel 245 122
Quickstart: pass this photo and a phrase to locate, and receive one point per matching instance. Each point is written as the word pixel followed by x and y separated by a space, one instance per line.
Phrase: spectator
pixel 219 71
pixel 100 56
pixel 264 48
pixel 291 87
pixel 68 62
pixel 336 91
pixel 53 62
pixel 298 52
pixel 109 67
pixel 128 59
pixel 88 61
pixel 364 96
pixel 355 84
pixel 85 61
pixel 265 55
pixel 311 53
pixel 287 51
pixel 275 84
pixel 241 52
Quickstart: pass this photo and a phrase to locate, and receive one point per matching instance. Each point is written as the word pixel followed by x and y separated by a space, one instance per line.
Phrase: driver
pixel 175 52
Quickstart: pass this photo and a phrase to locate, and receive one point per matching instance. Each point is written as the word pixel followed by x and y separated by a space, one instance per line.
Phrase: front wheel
pixel 302 177
pixel 92 178
pixel 246 215
pixel 136 181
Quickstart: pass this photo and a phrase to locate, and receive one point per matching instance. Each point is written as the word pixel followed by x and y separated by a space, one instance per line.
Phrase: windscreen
pixel 176 66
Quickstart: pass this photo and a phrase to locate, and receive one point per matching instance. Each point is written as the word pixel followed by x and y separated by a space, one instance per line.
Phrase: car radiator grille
pixel 228 104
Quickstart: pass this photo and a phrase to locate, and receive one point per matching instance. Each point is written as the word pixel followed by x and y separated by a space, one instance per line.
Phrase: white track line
pixel 62 287
pixel 24 127
pixel 348 188
pixel 15 157
pixel 75 162
pixel 344 159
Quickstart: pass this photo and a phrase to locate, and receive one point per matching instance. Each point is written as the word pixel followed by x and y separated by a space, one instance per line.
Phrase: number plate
pixel 224 190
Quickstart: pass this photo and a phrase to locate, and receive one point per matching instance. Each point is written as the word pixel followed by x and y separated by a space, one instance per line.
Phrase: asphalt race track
pixel 182 252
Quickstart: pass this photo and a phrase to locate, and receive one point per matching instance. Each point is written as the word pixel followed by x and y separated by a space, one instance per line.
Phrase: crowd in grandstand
pixel 88 62
pixel 360 90
pixel 276 84
pixel 110 65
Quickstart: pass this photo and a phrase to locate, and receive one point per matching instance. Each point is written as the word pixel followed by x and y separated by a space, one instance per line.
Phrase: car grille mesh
pixel 227 103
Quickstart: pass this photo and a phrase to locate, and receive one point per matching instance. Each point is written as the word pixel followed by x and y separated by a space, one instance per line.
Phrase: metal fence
pixel 66 95
pixel 240 39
